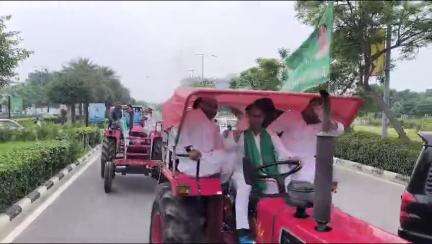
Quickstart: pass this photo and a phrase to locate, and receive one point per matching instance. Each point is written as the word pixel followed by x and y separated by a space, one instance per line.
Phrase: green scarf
pixel 253 155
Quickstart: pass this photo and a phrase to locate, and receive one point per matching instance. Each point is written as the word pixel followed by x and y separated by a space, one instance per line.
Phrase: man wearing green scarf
pixel 258 146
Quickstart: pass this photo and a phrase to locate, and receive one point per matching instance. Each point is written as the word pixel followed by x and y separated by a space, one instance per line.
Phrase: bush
pixel 87 135
pixel 24 168
pixel 369 149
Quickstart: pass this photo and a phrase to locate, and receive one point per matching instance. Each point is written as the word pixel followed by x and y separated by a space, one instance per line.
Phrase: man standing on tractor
pixel 149 120
pixel 257 146
pixel 201 140
pixel 115 113
pixel 130 111
pixel 298 131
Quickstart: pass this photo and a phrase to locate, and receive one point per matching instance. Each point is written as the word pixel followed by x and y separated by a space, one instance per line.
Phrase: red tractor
pixel 141 155
pixel 200 209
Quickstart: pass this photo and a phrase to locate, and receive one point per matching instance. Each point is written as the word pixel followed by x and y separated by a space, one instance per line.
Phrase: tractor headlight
pixel 183 190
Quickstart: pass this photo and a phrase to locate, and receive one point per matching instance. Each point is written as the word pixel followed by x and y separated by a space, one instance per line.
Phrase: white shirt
pixel 149 123
pixel 300 138
pixel 203 135
pixel 282 153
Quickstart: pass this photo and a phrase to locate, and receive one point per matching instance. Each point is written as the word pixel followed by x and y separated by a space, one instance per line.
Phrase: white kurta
pixel 203 135
pixel 300 138
pixel 243 189
pixel 149 124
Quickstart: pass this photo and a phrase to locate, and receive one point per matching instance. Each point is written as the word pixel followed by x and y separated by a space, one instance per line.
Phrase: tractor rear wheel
pixel 176 219
pixel 108 176
pixel 108 153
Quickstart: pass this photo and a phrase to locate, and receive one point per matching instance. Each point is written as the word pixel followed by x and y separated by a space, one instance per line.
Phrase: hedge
pixel 52 131
pixel 388 154
pixel 23 169
pixel 86 135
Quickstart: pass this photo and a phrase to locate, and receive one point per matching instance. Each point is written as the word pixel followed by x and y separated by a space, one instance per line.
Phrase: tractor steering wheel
pixel 263 175
pixel 280 178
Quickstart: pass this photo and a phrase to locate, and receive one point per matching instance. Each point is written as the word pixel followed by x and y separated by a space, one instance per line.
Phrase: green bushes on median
pixel 25 168
pixel 369 149
pixel 87 135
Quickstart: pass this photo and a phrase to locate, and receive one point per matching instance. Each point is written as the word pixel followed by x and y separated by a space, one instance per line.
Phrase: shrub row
pixel 24 168
pixel 88 135
pixel 369 149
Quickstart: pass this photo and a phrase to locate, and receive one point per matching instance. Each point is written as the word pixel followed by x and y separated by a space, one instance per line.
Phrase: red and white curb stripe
pixel 23 204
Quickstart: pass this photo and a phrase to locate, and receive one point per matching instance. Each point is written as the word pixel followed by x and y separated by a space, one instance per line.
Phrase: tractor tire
pixel 157 149
pixel 108 176
pixel 176 219
pixel 108 153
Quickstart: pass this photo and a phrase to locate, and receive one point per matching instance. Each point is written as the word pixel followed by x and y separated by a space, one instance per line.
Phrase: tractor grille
pixel 137 134
pixel 428 183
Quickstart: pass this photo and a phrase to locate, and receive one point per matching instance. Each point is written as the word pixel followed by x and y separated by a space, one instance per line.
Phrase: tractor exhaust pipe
pixel 324 170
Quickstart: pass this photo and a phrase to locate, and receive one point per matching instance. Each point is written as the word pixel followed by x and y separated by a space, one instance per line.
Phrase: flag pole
pixel 324 165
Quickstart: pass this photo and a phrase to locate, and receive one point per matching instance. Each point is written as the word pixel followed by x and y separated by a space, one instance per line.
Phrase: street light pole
pixel 202 64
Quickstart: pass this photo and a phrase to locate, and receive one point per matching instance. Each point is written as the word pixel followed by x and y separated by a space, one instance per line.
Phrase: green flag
pixel 309 65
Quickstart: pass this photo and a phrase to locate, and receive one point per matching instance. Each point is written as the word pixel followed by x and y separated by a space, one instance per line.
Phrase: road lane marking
pixel 45 204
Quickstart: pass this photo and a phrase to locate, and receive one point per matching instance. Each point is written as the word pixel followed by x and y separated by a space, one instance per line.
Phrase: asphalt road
pixel 84 213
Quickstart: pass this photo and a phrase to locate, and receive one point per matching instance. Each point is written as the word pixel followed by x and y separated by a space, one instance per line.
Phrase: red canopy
pixel 343 109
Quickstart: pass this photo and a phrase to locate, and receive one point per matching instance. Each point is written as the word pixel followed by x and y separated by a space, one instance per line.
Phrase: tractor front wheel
pixel 176 219
pixel 108 153
pixel 108 176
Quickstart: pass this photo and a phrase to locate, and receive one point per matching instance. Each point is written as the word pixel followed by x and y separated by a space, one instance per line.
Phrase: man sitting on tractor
pixel 201 140
pixel 298 131
pixel 257 146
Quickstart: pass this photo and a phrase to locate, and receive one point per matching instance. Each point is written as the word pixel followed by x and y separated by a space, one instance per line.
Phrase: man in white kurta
pixel 201 135
pixel 298 131
pixel 255 118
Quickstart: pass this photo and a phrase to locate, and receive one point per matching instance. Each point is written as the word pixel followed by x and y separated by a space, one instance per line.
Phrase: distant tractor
pixel 194 209
pixel 141 155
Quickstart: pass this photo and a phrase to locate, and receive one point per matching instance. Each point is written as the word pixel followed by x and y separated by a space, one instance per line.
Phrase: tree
pixel 10 51
pixel 82 81
pixel 358 26
pixel 197 82
pixel 266 76
pixel 68 88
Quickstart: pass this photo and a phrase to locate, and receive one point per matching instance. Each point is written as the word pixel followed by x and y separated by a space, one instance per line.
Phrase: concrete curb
pixel 23 204
pixel 384 174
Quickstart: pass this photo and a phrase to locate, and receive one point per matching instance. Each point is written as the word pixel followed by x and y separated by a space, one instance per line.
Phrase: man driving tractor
pixel 201 140
pixel 257 146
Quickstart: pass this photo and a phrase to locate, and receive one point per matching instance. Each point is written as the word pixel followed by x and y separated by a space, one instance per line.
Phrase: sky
pixel 153 45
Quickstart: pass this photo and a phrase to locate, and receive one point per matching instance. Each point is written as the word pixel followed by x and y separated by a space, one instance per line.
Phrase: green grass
pixel 411 133
pixel 9 146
